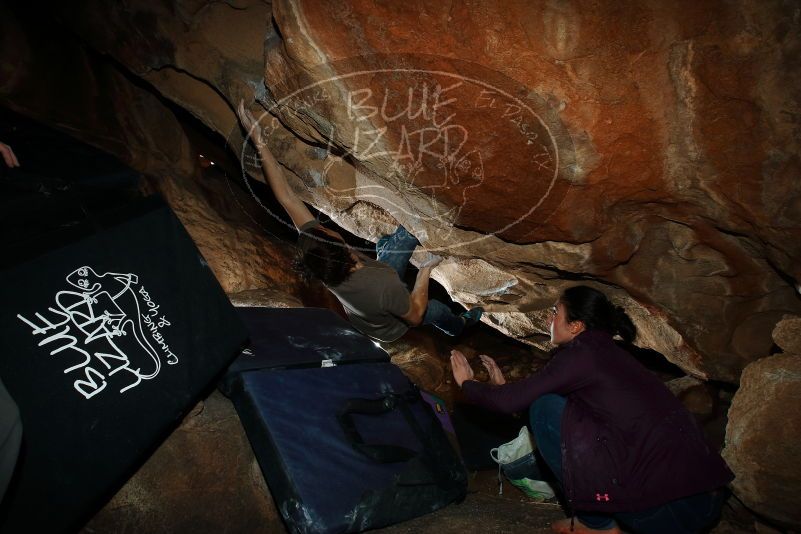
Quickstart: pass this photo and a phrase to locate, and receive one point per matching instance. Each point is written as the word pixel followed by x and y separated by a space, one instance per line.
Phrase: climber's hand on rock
pixel 431 262
pixel 461 369
pixel 8 155
pixel 250 124
pixel 496 377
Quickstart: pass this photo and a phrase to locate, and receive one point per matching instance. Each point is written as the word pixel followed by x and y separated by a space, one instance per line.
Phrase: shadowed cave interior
pixel 648 151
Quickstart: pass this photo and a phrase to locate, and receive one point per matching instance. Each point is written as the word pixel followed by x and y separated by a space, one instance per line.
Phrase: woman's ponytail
pixel 586 304
pixel 624 327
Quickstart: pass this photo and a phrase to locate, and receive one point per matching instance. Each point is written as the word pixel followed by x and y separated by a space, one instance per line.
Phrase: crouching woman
pixel 623 447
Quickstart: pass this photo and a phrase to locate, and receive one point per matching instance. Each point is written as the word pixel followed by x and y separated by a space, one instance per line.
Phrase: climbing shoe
pixel 473 316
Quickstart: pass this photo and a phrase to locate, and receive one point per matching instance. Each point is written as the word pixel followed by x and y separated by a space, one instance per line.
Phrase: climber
pixel 623 448
pixel 372 292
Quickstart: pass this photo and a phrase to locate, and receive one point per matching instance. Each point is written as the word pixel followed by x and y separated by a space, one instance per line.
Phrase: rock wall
pixel 648 149
pixel 241 257
pixel 666 129
pixel 103 105
pixel 51 78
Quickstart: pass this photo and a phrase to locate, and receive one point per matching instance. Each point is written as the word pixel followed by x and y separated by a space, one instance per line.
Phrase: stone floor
pixel 485 513
pixel 205 478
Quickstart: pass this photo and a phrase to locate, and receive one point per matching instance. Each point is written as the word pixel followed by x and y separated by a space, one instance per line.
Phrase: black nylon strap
pixel 431 459
pixel 378 453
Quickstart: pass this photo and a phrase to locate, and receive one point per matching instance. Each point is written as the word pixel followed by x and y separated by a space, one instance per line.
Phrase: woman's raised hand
pixel 461 369
pixel 496 377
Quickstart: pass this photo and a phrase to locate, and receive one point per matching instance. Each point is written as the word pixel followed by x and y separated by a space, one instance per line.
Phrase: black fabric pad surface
pixel 302 337
pixel 106 344
pixel 320 482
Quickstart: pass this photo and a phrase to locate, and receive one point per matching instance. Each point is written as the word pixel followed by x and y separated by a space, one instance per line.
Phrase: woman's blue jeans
pixel 685 515
pixel 395 250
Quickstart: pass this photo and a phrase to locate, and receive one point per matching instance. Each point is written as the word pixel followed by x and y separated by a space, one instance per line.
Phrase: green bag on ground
pixel 516 460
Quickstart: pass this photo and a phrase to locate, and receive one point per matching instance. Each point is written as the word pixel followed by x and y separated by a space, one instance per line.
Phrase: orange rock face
pixel 651 136
pixel 649 149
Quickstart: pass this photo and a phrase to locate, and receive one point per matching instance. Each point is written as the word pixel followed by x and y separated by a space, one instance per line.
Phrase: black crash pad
pixel 106 344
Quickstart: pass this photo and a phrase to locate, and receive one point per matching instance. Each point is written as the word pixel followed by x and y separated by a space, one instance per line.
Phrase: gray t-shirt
pixel 374 297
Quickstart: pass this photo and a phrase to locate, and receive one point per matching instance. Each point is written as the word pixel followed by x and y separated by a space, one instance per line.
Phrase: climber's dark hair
pixel 590 306
pixel 327 260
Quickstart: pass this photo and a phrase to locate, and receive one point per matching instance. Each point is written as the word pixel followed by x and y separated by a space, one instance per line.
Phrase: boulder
pixel 629 147
pixel 763 438
pixel 787 334
pixel 697 396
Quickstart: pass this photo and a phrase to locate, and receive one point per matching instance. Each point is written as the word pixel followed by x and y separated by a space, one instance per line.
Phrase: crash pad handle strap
pixel 379 453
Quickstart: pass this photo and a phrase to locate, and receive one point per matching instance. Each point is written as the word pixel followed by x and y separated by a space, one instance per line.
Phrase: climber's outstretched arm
pixel 273 173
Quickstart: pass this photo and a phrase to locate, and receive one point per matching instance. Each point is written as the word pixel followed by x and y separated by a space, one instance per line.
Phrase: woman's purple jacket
pixel 628 443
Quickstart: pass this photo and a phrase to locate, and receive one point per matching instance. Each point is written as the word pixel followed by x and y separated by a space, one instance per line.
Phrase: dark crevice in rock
pixel 185 72
pixel 787 277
